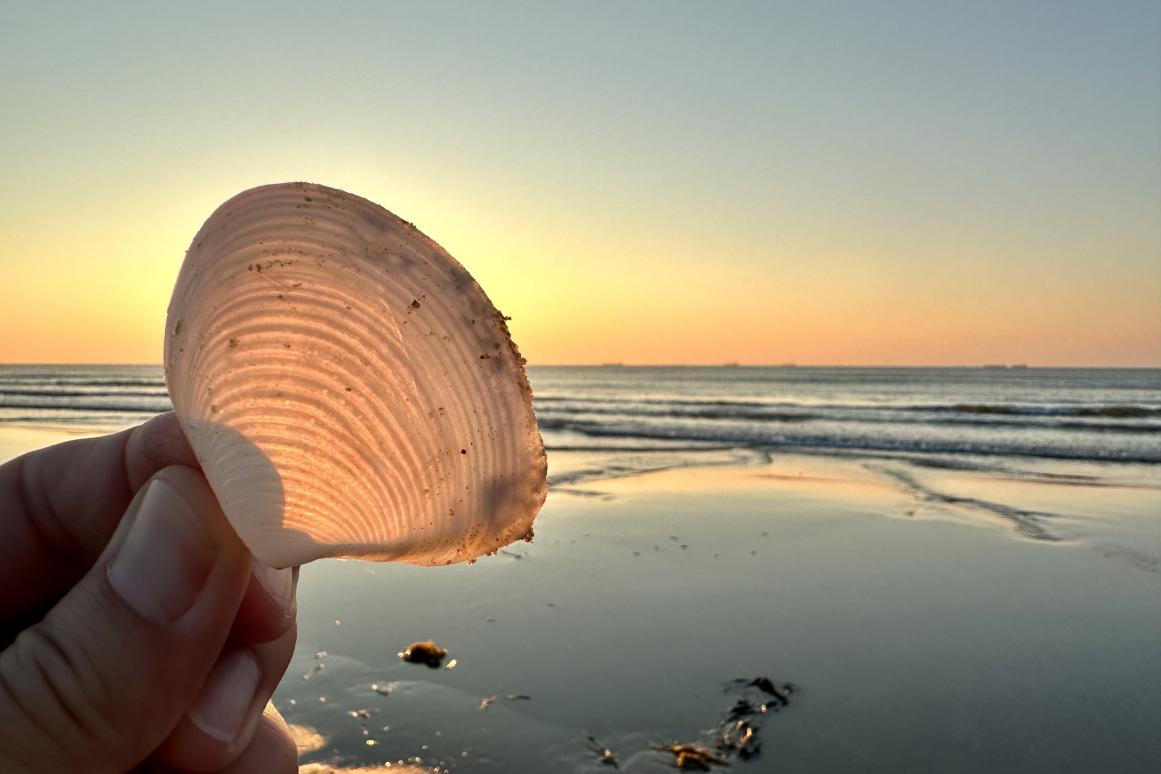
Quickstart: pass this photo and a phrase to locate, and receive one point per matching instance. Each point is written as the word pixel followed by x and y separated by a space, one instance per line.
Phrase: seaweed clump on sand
pixel 736 734
pixel 693 757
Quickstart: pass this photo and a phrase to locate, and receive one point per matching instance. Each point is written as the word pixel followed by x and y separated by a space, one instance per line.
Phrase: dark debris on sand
pixel 736 735
pixel 605 756
pixel 490 700
pixel 693 757
pixel 426 652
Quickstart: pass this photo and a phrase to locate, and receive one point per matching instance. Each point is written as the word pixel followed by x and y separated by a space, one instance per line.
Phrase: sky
pixel 902 183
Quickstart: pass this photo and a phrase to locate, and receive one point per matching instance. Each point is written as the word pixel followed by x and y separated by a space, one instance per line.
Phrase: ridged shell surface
pixel 347 386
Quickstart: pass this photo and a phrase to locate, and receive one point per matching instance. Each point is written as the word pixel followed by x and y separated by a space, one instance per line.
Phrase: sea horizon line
pixel 722 365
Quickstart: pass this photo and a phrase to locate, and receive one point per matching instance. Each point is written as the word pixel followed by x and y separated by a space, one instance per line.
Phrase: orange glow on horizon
pixel 805 303
pixel 70 308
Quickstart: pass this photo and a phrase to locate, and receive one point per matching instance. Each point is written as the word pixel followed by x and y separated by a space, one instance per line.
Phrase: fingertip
pixel 270 606
pixel 155 445
pixel 232 714
pixel 193 486
pixel 270 751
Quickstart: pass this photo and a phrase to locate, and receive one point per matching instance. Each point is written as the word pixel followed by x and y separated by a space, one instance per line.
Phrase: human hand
pixel 146 637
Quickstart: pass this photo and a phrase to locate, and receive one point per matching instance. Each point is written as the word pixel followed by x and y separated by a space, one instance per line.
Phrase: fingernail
pixel 162 563
pixel 224 703
pixel 279 584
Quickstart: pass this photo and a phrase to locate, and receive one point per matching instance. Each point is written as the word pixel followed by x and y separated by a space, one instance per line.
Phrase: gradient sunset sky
pixel 919 183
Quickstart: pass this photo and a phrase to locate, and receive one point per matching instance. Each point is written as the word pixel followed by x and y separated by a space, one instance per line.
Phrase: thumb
pixel 100 682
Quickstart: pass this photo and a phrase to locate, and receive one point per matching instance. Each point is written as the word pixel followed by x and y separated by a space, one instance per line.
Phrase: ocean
pixel 1098 415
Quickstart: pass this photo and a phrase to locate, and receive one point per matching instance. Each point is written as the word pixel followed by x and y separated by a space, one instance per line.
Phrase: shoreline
pixel 1043 499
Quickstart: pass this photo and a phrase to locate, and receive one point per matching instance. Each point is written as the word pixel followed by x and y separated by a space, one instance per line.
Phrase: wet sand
pixel 923 633
pixel 937 620
pixel 16 439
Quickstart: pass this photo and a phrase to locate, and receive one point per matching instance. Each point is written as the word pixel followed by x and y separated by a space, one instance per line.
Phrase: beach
pixel 917 640
pixel 912 610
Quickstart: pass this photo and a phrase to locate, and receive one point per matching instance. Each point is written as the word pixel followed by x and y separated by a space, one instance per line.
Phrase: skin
pixel 85 683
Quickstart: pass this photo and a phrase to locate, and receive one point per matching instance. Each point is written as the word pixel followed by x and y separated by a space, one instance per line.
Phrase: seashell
pixel 347 386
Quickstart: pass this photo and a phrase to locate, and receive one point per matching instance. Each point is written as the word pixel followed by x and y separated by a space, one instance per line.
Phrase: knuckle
pixel 53 684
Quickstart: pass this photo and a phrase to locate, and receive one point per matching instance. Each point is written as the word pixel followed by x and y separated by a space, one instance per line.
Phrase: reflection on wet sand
pixel 309 740
pixel 387 768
